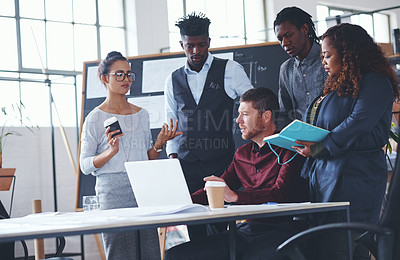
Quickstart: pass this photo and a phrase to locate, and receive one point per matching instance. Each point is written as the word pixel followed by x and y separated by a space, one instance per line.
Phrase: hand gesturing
pixel 167 133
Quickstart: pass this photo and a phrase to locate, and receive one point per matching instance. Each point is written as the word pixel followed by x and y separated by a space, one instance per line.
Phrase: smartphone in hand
pixel 113 123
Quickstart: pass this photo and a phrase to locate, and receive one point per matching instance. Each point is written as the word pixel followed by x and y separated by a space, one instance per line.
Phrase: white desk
pixel 52 224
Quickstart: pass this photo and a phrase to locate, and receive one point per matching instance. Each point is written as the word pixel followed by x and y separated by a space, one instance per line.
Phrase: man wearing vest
pixel 302 76
pixel 200 95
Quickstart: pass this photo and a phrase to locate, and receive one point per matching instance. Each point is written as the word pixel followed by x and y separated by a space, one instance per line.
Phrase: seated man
pixel 253 177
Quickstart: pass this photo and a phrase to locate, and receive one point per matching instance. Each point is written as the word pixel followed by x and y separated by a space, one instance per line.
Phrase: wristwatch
pixel 157 150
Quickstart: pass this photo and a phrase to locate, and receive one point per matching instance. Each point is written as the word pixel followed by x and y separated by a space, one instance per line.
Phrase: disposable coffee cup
pixel 113 123
pixel 90 203
pixel 215 194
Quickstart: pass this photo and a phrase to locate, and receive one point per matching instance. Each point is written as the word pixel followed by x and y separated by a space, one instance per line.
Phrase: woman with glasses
pixel 104 151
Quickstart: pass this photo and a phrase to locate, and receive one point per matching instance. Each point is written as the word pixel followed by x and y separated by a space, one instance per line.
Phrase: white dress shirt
pixel 236 83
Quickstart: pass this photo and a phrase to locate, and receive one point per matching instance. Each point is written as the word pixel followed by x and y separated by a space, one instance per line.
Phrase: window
pixel 58 35
pixel 376 24
pixel 8 50
pixel 233 22
pixel 7 7
pixel 61 29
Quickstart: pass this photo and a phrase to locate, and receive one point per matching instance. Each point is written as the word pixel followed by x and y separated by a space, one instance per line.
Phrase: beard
pixel 251 133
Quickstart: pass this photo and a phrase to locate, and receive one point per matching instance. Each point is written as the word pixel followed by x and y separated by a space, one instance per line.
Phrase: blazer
pixel 355 168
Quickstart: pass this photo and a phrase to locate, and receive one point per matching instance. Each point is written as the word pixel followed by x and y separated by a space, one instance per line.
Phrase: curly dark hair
pixel 359 55
pixel 298 18
pixel 193 24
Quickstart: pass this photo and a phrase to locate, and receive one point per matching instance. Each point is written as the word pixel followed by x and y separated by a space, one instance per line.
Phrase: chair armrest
pixel 25 248
pixel 60 247
pixel 289 247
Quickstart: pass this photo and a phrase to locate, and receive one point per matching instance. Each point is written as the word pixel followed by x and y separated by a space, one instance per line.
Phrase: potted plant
pixel 394 136
pixel 12 116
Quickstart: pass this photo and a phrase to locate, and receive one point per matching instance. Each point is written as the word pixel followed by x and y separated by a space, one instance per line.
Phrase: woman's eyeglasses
pixel 120 76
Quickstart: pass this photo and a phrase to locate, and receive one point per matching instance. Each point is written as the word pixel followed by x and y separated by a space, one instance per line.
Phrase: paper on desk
pixel 49 220
pixel 129 214
pixel 143 211
pixel 94 215
pixel 164 210
pixel 178 209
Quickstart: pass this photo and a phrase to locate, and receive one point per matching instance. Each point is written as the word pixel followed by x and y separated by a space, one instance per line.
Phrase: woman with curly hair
pixel 356 105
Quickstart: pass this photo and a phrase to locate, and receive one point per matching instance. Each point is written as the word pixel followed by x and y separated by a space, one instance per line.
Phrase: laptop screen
pixel 158 183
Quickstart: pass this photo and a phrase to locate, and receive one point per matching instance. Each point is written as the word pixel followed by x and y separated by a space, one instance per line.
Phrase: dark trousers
pixel 194 174
pixel 196 171
pixel 200 231
pixel 254 240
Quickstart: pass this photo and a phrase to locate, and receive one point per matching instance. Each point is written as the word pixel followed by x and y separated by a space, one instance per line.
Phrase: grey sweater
pixel 133 146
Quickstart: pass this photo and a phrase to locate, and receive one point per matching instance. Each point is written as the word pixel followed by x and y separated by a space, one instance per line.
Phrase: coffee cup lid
pixel 110 121
pixel 215 184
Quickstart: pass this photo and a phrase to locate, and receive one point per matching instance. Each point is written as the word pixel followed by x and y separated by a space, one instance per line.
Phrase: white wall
pixel 151 25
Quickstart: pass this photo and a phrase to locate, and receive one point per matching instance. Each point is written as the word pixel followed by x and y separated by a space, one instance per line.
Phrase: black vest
pixel 207 126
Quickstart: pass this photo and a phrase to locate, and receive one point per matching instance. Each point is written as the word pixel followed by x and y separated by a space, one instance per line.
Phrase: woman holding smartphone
pixel 103 153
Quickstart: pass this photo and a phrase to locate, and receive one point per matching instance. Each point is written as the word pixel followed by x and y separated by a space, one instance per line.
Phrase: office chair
pixel 59 250
pixel 7 249
pixel 382 239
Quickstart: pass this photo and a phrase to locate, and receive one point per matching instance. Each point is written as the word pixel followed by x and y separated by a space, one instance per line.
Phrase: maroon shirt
pixel 262 178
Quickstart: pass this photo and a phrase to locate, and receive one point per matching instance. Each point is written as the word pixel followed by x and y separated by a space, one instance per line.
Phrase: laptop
pixel 157 183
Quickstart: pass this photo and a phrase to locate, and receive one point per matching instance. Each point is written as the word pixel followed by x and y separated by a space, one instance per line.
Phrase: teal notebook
pixel 297 130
